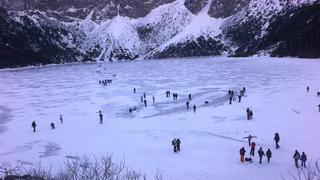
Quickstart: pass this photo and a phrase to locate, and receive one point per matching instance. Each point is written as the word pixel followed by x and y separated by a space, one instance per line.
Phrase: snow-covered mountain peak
pixel 108 29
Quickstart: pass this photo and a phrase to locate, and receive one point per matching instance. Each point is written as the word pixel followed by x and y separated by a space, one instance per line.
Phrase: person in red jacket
pixel 253 147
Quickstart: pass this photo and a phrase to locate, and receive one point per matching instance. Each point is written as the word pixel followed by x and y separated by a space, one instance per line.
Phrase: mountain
pixel 38 32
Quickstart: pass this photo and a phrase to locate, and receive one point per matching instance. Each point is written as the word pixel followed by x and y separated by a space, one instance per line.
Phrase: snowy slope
pixel 111 36
pixel 200 25
pixel 168 28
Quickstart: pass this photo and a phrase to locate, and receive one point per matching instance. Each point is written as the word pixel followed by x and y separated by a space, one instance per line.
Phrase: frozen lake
pixel 211 137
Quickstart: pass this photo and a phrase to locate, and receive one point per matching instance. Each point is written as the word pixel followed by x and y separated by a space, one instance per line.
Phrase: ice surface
pixel 211 137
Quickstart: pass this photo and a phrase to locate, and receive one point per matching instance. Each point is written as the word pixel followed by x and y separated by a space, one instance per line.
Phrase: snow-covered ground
pixel 211 137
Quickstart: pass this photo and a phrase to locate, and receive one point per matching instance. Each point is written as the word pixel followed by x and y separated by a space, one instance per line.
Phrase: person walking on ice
pixel 296 158
pixel 187 103
pixel 303 159
pixel 253 148
pixel 101 117
pixel 61 119
pixel 277 139
pixel 249 114
pixel 308 88
pixel 174 144
pixel 261 154
pixel 319 107
pixel 269 155
pixel 242 154
pixel 34 125
pixel 178 144
pixel 167 94
pixel 250 137
pixel 194 108
pixel 52 125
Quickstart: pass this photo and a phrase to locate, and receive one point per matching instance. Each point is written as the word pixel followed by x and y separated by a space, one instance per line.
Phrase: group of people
pixel 194 106
pixel 143 100
pixel 105 82
pixel 174 95
pixel 52 125
pixel 168 94
pixel 176 144
pixel 261 153
pixel 297 157
pixel 268 153
pixel 232 96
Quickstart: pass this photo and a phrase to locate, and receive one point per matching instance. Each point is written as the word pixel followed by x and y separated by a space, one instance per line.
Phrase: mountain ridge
pixel 180 28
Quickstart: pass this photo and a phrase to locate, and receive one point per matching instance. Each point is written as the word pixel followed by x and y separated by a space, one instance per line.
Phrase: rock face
pixel 26 43
pixel 195 6
pixel 105 9
pixel 223 9
pixel 35 32
pixel 198 47
pixel 295 33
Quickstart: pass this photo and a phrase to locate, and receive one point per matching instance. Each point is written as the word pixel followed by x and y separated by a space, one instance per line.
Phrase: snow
pixel 165 26
pixel 211 137
pixel 200 25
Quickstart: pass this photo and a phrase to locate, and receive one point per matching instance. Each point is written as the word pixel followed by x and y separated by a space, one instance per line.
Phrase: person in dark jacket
pixel 250 137
pixel 230 100
pixel 61 119
pixel 269 155
pixel 261 154
pixel 242 153
pixel 153 99
pixel 167 94
pixel 178 144
pixel 277 139
pixel 319 107
pixel 134 90
pixel 253 147
pixel 190 97
pixel 296 158
pixel 187 103
pixel 244 90
pixel 194 108
pixel 101 117
pixel 239 97
pixel 308 88
pixel 303 159
pixel 174 144
pixel 52 125
pixel 34 125
pixel 248 113
pixel 145 103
